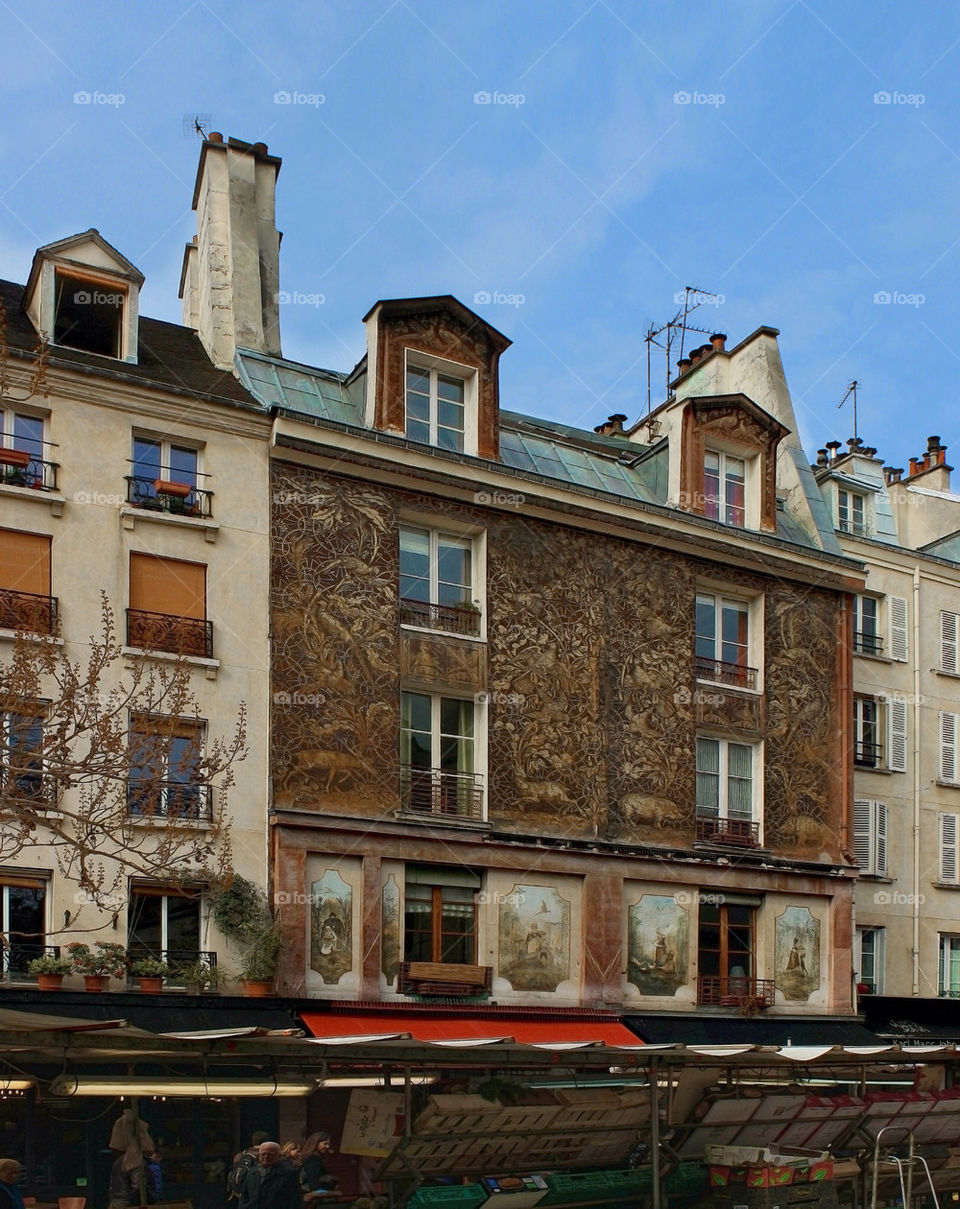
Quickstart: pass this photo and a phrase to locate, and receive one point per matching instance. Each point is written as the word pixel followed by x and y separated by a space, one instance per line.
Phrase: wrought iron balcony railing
pixel 16 954
pixel 868 755
pixel 164 495
pixel 865 643
pixel 168 632
pixel 719 671
pixel 735 990
pixel 28 612
pixel 456 619
pixel 177 959
pixel 439 791
pixel 169 800
pixel 28 786
pixel 741 833
pixel 27 471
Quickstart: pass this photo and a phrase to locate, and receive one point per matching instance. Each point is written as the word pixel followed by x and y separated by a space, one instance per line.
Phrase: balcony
pixel 454 619
pixel 867 644
pixel 164 495
pixel 868 755
pixel 167 632
pixel 174 800
pixel 738 833
pixel 28 612
pixel 17 954
pixel 21 468
pixel 438 791
pixel 735 990
pixel 718 671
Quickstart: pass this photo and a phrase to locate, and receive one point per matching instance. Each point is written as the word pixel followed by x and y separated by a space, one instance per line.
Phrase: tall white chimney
pixel 231 271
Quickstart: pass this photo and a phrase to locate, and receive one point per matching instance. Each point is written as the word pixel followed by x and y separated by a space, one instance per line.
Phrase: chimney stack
pixel 231 272
pixel 694 356
pixel 718 340
pixel 613 427
pixel 682 366
pixel 832 447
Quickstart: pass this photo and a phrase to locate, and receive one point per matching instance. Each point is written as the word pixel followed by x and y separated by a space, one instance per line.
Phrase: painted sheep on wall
pixel 797 954
pixel 657 945
pixel 534 941
pixel 331 926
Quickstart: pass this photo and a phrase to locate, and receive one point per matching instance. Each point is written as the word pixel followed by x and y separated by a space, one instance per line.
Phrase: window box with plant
pixel 149 973
pixel 49 971
pixel 99 964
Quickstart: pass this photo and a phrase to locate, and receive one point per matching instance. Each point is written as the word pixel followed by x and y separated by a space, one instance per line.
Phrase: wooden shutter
pixel 948 746
pixel 863 835
pixel 948 642
pixel 167 585
pixel 25 562
pixel 880 819
pixel 948 847
pixel 897 728
pixel 898 628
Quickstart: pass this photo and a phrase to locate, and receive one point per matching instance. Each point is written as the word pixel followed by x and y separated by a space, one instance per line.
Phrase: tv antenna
pixel 692 299
pixel 195 125
pixel 851 390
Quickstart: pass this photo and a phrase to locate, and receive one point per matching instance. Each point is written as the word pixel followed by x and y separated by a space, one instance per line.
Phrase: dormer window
pixel 88 315
pixel 436 408
pixel 724 488
pixel 851 511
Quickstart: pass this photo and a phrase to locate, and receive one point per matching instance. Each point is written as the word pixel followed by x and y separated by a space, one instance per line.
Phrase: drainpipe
pixel 654 1077
pixel 916 780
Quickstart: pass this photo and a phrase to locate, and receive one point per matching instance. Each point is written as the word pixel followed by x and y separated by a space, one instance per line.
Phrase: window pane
pixel 450 415
pixel 706 645
pixel 418 407
pixel 145 923
pixel 183 923
pixel 418 431
pixel 456 717
pixel 26 931
pixel 740 781
pixel 453 571
pixel 734 623
pixel 183 466
pixel 711 485
pixel 450 438
pixel 146 462
pixel 414 564
pixel 415 730
pixel 418 380
pixel 708 775
pixel 28 434
pixel 734 478
pixel 450 389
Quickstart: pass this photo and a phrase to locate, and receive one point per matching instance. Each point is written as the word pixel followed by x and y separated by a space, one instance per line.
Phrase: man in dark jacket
pixel 273 1183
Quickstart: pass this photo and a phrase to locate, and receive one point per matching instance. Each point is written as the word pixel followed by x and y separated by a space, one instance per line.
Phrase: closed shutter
pixel 948 847
pixel 880 865
pixel 948 746
pixel 948 642
pixel 897 715
pixel 168 585
pixel 863 835
pixel 25 562
pixel 898 628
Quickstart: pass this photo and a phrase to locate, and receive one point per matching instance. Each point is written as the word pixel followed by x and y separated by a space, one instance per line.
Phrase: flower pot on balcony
pixel 150 985
pixel 256 988
pixel 95 982
pixel 15 457
pixel 49 982
pixel 166 487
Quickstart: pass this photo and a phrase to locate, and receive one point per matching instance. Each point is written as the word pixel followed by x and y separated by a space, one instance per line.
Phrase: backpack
pixel 243 1164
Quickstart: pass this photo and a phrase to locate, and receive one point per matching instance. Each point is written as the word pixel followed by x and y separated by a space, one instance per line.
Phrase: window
pixel 949 974
pixel 165 478
pixel 723 641
pixel 438 756
pixel 22 902
pixel 165 923
pixel 440 914
pixel 948 864
pixel 165 778
pixel 25 600
pixel 870 836
pixel 851 511
pixel 725 951
pixel 724 488
pixel 437 581
pixel 866 631
pixel 168 606
pixel 867 746
pixel 21 756
pixel 948 747
pixel 870 951
pixel 21 452
pixel 88 315
pixel 725 777
pixel 948 642
pixel 436 408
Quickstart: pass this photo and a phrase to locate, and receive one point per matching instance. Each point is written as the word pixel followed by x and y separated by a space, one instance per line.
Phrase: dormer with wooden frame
pixel 728 461
pixel 433 374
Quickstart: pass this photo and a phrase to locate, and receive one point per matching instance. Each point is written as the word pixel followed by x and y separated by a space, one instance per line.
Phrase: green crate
pixel 595 1186
pixel 687 1179
pixel 449 1196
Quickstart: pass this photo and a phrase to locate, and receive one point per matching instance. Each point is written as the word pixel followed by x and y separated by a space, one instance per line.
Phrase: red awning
pixel 469 1028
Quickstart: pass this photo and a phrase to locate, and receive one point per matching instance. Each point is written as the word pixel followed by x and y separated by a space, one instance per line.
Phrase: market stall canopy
pixel 551 1034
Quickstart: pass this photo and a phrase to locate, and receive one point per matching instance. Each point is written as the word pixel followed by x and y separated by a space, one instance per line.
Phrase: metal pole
pixel 656 1202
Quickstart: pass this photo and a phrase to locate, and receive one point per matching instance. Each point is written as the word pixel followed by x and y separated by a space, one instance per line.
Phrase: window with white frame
pixel 724 640
pixel 438 581
pixel 165 778
pixel 436 408
pixel 949 632
pixel 726 777
pixel 948 725
pixel 870 959
pixel 867 732
pixel 22 445
pixel 165 476
pixel 725 488
pixel 851 511
pixel 949 972
pixel 948 870
pixel 867 639
pixel 870 836
pixel 165 922
pixel 23 919
pixel 439 756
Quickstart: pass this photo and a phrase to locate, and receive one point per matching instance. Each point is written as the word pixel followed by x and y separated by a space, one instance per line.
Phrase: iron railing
pixel 28 612
pixel 865 643
pixel 442 792
pixel 176 959
pixel 737 675
pixel 456 619
pixel 742 833
pixel 735 990
pixel 16 954
pixel 169 800
pixel 36 473
pixel 28 786
pixel 169 632
pixel 868 755
pixel 147 492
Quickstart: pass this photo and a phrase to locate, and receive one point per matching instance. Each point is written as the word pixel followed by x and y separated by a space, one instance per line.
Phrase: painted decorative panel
pixel 657 944
pixel 331 926
pixel 797 954
pixel 534 938
pixel 390 930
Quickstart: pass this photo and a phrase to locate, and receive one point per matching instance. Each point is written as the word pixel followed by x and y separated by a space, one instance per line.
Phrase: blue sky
pixel 627 150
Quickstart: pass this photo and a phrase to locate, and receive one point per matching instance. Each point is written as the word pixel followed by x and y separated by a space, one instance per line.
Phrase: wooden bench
pixel 443 978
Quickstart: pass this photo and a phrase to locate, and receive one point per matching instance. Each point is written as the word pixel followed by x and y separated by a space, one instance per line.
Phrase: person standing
pixel 273 1183
pixel 243 1163
pixel 10 1196
pixel 314 1177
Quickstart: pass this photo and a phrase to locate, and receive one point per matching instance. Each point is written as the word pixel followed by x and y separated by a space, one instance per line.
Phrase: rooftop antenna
pixel 195 125
pixel 692 298
pixel 851 390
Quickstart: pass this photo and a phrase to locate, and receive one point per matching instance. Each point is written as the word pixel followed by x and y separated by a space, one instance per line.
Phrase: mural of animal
pixel 330 762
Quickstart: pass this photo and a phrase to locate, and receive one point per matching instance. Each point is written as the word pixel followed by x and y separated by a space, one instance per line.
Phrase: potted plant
pixel 260 963
pixel 149 973
pixel 49 972
pixel 98 964
pixel 200 975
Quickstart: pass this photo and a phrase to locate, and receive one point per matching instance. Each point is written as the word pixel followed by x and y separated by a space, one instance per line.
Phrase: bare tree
pixel 105 762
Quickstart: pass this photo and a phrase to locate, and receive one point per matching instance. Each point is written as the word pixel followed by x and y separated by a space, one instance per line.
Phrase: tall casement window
pixel 21 755
pixel 165 477
pixel 168 606
pixel 724 488
pixel 851 511
pixel 870 959
pixel 723 641
pixel 870 836
pixel 949 973
pixel 438 755
pixel 868 745
pixel 22 899
pixel 725 791
pixel 726 947
pixel 437 581
pixel 165 778
pixel 440 914
pixel 165 922
pixel 436 408
pixel 22 445
pixel 25 600
pixel 867 639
